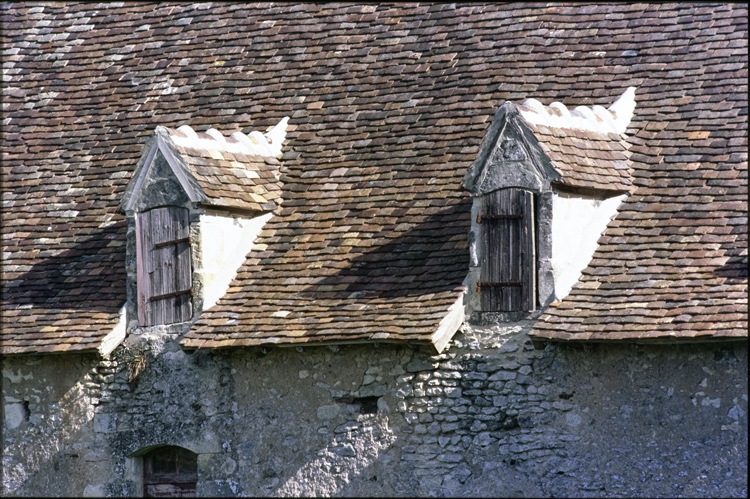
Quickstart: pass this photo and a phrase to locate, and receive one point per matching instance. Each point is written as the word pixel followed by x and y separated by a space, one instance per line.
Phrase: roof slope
pixel 237 172
pixel 387 105
pixel 587 153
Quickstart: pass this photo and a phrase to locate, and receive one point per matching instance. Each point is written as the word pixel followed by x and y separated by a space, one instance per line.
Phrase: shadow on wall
pixel 245 428
pixel 90 276
pixel 47 407
pixel 420 255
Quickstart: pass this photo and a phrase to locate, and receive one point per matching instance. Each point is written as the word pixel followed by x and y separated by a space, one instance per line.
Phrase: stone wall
pixel 490 416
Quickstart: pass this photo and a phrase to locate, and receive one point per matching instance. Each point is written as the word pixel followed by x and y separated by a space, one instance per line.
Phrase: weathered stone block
pixel 328 411
pixel 503 376
pixel 483 439
pixel 450 458
pixel 417 365
pixel 452 392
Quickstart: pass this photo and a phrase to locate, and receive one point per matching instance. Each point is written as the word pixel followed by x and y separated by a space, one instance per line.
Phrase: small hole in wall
pixel 26 410
pixel 367 405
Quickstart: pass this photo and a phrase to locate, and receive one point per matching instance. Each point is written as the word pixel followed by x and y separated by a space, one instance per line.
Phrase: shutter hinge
pixel 481 217
pixel 170 295
pixel 173 242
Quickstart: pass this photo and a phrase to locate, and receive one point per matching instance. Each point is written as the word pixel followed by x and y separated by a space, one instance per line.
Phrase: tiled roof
pixel 673 263
pixel 587 160
pixel 388 105
pixel 232 172
pixel 344 265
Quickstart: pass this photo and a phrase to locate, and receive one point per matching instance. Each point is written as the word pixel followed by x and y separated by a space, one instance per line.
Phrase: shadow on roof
pixel 429 255
pixel 735 270
pixel 89 276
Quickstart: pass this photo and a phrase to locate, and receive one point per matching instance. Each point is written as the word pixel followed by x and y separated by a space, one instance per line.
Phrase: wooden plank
pixel 481 217
pixel 184 274
pixel 141 272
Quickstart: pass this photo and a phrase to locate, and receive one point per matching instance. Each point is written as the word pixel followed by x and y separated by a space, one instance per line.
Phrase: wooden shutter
pixel 508 258
pixel 164 266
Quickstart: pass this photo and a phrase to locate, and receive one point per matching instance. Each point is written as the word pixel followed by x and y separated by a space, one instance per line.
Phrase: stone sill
pixel 176 328
pixel 479 318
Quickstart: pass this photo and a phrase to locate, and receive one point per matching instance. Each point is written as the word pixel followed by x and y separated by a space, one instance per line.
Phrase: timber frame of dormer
pixel 536 216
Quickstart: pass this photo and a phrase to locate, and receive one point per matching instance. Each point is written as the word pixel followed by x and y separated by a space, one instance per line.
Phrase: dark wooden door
pixel 164 266
pixel 508 264
pixel 170 472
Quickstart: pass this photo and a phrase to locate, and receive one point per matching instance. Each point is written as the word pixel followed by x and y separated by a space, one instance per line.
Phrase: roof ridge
pixel 616 119
pixel 253 144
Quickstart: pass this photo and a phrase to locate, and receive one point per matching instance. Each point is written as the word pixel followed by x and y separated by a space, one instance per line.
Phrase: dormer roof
pixel 533 146
pixel 238 172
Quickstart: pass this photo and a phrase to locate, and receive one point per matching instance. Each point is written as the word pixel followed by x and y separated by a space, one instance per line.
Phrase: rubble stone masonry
pixel 491 416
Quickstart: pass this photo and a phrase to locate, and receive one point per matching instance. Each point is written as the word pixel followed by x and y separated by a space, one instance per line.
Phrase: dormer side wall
pixel 225 241
pixel 578 222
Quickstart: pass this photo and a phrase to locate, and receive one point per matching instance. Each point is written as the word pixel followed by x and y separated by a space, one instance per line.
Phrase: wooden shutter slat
pixel 481 217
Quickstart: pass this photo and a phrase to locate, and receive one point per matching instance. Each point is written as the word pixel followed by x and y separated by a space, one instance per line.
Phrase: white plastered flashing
pixel 225 242
pixel 577 224
pixel 114 337
pixel 254 144
pixel 616 119
pixel 449 325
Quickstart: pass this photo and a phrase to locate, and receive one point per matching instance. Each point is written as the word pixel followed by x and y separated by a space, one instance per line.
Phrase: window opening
pixel 170 472
pixel 164 266
pixel 508 269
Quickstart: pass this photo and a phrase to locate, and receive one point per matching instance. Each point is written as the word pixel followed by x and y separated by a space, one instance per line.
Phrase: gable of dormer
pixel 509 157
pixel 161 178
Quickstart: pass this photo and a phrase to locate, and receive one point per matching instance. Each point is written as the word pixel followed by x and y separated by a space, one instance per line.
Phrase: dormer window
pixel 545 183
pixel 165 276
pixel 194 207
pixel 508 266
